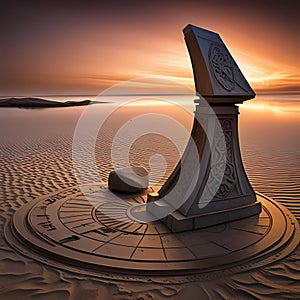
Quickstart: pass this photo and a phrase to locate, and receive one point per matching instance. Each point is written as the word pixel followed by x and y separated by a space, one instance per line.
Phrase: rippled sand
pixel 36 159
pixel 270 143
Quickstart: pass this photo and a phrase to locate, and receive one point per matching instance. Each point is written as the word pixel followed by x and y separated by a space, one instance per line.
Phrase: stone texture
pixel 128 180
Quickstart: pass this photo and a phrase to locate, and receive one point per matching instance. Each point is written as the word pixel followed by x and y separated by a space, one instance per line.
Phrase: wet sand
pixel 36 159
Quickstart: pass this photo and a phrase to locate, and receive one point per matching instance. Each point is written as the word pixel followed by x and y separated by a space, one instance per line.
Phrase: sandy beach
pixel 35 160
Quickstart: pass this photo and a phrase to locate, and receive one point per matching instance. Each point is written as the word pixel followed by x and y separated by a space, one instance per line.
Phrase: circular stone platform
pixel 65 230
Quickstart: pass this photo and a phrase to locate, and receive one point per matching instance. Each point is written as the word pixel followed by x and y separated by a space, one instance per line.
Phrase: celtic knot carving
pixel 222 67
pixel 223 160
pixel 229 179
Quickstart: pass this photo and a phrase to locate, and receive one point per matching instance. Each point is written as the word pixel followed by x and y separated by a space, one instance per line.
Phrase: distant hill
pixel 39 103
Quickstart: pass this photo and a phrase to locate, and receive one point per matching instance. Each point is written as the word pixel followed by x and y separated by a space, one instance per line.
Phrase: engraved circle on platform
pixel 67 225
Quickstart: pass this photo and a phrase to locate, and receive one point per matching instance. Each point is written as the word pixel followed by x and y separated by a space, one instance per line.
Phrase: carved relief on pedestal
pixel 229 178
pixel 221 65
pixel 222 154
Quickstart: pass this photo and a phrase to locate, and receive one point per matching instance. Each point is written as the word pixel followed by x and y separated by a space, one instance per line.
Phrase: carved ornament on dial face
pixel 222 66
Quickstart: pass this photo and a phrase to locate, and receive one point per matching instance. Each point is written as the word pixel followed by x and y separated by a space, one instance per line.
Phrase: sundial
pixel 213 232
pixel 222 191
pixel 65 230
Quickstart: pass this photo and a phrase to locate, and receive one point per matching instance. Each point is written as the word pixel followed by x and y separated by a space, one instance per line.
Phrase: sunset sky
pixel 83 47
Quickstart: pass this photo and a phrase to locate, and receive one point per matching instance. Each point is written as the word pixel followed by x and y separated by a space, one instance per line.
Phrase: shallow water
pixel 36 158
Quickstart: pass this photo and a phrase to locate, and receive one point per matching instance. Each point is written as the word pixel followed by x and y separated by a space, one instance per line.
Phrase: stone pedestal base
pixel 222 191
pixel 177 222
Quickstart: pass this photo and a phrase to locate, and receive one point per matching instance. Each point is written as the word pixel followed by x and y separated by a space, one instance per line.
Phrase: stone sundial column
pixel 221 191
